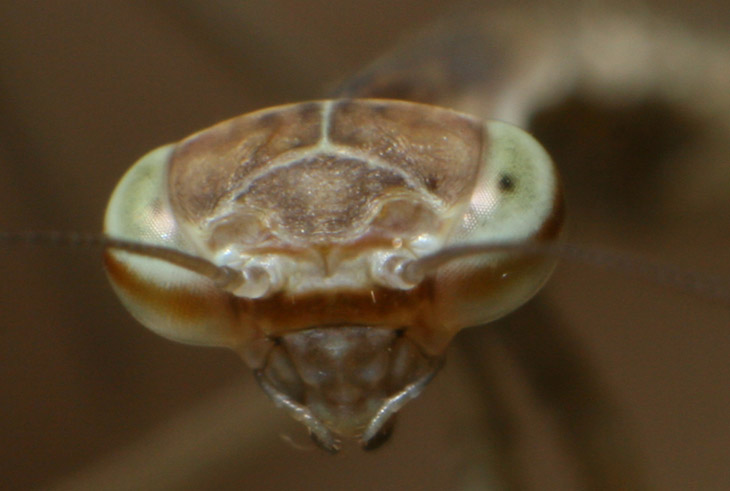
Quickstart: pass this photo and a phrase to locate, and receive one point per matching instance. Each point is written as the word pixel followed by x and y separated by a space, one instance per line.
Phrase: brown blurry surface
pixel 86 88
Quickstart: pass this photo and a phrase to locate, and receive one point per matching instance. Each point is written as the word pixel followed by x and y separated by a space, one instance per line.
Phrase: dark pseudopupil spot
pixel 432 183
pixel 506 183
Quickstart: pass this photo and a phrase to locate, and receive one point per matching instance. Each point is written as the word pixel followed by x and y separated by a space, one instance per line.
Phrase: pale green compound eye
pixel 515 199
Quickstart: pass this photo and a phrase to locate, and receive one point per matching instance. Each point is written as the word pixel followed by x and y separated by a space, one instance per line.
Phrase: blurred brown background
pixel 90 398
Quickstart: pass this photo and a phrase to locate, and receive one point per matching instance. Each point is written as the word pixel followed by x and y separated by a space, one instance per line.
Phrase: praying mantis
pixel 660 324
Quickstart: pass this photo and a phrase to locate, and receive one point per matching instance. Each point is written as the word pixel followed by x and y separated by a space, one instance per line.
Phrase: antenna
pixel 223 276
pixel 703 285
pixel 700 284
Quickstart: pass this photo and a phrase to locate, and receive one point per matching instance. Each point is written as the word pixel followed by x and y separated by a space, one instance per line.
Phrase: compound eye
pixel 172 301
pixel 516 199
pixel 516 193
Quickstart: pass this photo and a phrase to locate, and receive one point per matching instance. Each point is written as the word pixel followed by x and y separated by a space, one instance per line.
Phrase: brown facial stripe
pixel 247 319
pixel 183 304
pixel 411 310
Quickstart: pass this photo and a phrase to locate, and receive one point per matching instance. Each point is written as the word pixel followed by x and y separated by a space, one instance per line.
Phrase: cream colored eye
pixel 170 300
pixel 516 198
pixel 516 192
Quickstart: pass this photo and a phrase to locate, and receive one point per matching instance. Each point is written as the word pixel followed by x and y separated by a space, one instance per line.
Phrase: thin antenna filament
pixel 686 281
pixel 223 276
pixel 413 272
